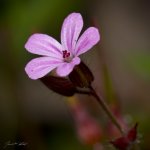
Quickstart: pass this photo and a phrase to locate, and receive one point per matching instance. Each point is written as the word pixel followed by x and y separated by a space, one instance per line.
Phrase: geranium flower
pixel 64 56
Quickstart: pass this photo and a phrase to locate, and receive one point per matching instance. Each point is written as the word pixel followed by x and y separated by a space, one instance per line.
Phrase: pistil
pixel 66 56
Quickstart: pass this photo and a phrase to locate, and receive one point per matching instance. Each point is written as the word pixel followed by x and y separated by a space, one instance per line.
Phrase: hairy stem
pixel 107 110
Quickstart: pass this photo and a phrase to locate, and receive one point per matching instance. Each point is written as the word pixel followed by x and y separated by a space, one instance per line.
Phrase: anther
pixel 66 54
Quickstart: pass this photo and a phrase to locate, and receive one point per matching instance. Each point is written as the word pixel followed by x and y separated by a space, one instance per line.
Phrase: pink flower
pixel 64 56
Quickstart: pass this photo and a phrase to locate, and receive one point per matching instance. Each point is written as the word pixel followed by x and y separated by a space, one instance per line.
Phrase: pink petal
pixel 64 69
pixel 88 39
pixel 43 44
pixel 41 66
pixel 71 29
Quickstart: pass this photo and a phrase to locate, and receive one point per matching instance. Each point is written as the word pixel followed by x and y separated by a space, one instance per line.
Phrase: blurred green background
pixel 29 112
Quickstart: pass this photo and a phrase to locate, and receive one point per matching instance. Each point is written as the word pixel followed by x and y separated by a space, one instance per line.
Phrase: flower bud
pixel 81 76
pixel 132 134
pixel 124 142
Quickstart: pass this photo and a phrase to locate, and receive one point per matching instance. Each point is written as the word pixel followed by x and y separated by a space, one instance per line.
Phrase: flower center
pixel 66 56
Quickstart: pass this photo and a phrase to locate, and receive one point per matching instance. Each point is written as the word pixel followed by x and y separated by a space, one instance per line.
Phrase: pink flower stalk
pixel 64 56
pixel 88 129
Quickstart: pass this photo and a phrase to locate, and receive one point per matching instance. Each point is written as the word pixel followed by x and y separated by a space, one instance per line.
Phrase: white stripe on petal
pixel 87 40
pixel 44 45
pixel 41 66
pixel 71 29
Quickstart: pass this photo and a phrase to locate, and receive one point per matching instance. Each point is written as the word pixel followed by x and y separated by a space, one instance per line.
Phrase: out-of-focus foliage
pixel 31 113
pixel 139 63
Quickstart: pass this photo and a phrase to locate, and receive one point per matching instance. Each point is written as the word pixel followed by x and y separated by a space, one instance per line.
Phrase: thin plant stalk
pixel 107 110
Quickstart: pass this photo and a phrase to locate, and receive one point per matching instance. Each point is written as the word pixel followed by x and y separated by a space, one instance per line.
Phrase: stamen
pixel 66 54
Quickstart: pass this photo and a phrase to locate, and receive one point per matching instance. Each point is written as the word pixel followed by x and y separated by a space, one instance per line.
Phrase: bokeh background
pixel 31 113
